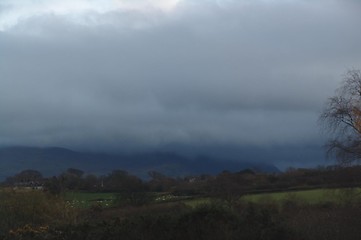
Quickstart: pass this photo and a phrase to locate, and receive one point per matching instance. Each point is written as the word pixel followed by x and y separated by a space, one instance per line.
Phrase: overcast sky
pixel 145 74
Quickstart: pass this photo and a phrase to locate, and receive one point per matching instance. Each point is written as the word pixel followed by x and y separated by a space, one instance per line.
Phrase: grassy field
pixel 315 196
pixel 196 201
pixel 87 199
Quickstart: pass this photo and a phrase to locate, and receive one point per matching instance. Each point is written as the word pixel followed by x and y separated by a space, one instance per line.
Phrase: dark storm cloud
pixel 232 72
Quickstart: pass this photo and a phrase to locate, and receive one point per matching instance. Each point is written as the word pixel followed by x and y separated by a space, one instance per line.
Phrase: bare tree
pixel 341 118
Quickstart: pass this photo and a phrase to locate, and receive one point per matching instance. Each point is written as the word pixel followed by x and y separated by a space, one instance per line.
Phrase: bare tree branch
pixel 341 117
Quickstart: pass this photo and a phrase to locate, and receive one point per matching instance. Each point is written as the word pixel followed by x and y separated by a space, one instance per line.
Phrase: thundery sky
pixel 140 75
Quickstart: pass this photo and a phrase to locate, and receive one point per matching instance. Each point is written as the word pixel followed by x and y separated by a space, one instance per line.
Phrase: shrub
pixel 263 222
pixel 212 221
pixel 33 208
pixel 133 199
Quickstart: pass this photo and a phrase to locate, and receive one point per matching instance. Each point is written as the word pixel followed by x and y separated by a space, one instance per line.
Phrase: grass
pixel 87 199
pixel 196 202
pixel 315 196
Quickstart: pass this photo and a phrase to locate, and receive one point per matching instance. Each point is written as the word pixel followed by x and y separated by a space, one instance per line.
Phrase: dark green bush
pixel 133 199
pixel 22 208
pixel 263 222
pixel 211 221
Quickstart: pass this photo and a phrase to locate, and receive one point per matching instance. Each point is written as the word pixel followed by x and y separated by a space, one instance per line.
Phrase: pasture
pixel 310 197
pixel 107 199
pixel 314 196
pixel 88 199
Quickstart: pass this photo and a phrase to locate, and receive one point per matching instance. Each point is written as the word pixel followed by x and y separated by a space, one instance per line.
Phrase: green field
pixel 196 201
pixel 315 196
pixel 87 199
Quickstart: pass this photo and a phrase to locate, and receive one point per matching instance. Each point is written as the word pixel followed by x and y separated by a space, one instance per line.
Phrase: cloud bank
pixel 147 74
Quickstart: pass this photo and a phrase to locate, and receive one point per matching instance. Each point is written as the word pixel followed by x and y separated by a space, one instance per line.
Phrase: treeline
pixel 226 184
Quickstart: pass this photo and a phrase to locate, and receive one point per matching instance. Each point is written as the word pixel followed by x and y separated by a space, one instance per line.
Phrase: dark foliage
pixel 208 222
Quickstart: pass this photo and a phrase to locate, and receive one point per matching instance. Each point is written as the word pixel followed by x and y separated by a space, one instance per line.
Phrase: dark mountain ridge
pixel 54 160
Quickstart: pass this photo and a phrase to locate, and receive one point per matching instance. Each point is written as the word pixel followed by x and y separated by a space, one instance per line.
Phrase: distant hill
pixel 54 160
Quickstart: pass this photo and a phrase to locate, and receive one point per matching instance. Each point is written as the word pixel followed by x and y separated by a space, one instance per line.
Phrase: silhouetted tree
pixel 342 118
pixel 122 181
pixel 27 177
pixel 54 186
pixel 72 178
pixel 91 182
pixel 160 182
pixel 76 172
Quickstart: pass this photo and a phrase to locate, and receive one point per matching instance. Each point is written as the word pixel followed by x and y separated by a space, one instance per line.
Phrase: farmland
pixel 310 197
pixel 314 196
pixel 278 215
pixel 87 199
pixel 240 205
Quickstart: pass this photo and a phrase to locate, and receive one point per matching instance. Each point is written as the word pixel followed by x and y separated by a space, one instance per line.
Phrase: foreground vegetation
pixel 38 215
pixel 299 204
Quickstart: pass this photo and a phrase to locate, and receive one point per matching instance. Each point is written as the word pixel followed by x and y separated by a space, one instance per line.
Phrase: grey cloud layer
pixel 208 73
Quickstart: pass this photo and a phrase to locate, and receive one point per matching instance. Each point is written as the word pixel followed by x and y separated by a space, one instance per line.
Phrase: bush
pixel 263 222
pixel 133 199
pixel 210 221
pixel 33 208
